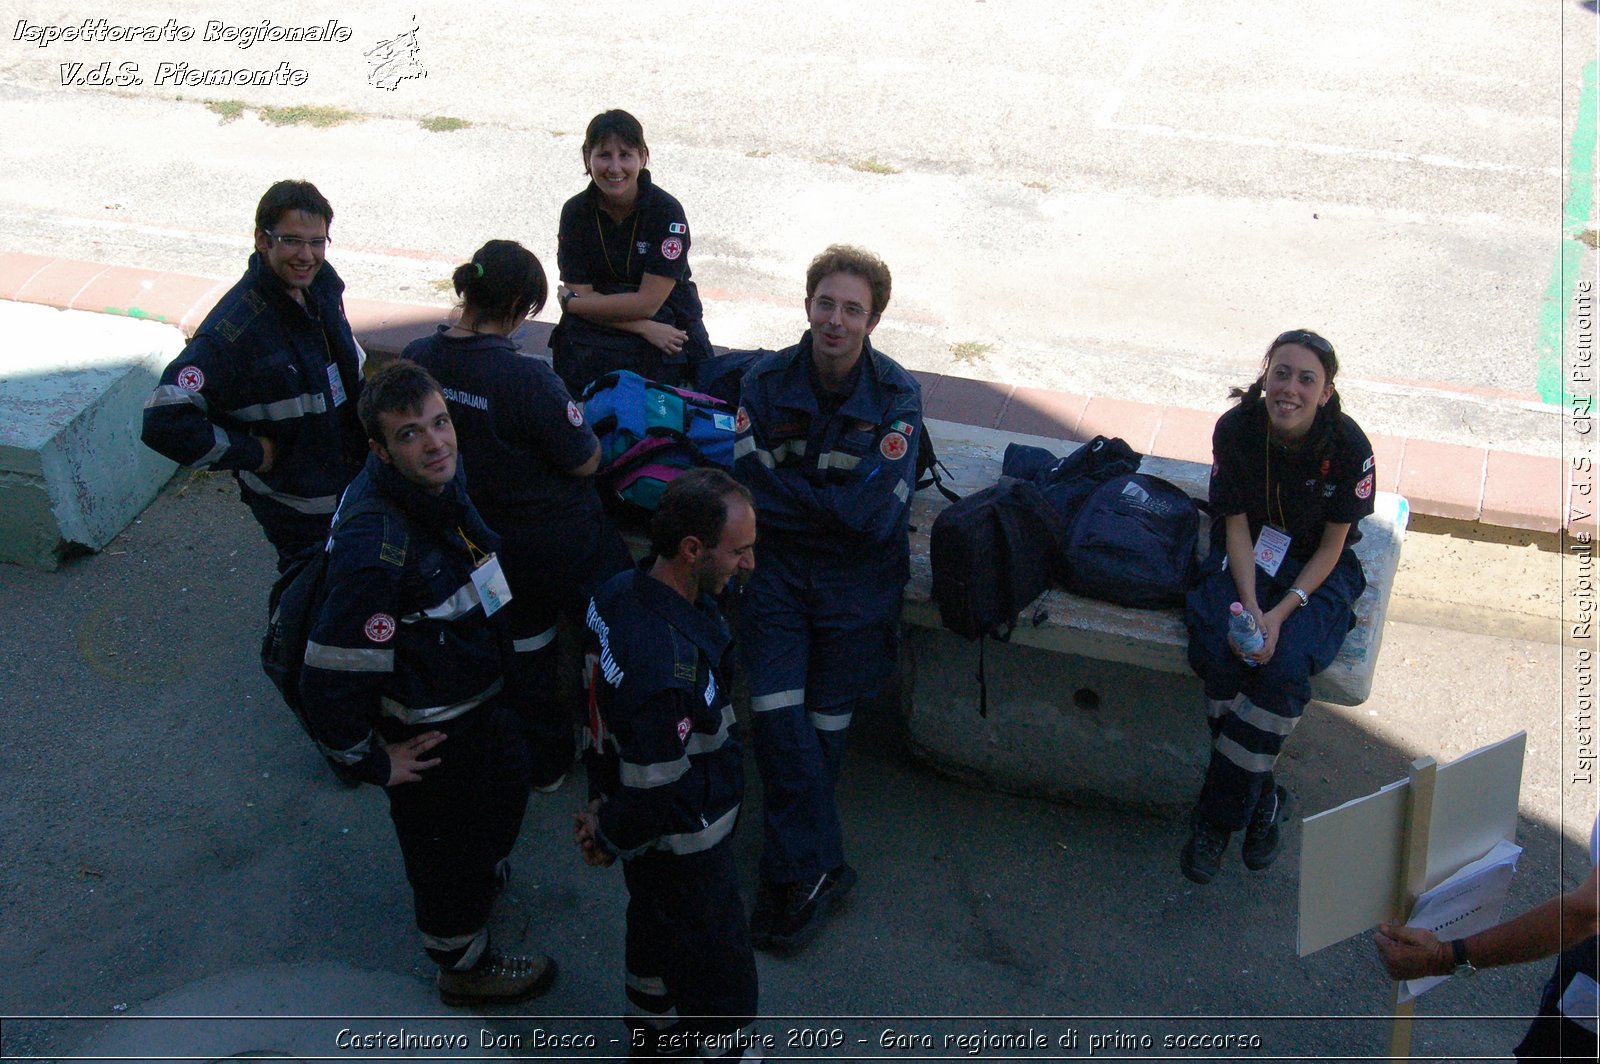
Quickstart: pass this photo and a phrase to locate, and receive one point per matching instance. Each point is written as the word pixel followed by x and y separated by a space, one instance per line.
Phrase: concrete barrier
pixel 73 472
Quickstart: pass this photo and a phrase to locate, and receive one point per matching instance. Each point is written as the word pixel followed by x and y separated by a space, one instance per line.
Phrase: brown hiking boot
pixel 498 979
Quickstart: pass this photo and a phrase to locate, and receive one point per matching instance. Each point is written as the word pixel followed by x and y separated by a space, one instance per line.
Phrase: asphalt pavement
pixel 174 847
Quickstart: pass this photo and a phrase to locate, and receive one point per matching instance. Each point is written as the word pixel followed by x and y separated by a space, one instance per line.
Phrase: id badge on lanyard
pixel 489 580
pixel 1272 546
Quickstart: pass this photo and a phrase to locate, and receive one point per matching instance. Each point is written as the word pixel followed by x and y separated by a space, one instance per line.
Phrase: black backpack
pixel 296 600
pixel 1132 542
pixel 993 553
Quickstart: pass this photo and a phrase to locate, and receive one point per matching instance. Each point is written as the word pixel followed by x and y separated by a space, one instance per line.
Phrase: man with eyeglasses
pixel 827 439
pixel 268 386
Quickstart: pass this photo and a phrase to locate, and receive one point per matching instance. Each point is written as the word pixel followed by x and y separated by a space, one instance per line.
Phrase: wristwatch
pixel 564 297
pixel 1458 952
pixel 1301 595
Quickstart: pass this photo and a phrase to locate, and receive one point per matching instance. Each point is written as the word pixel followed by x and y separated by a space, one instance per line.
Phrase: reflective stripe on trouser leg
pixel 1242 757
pixel 801 838
pixel 1217 710
pixel 688 948
pixel 459 952
pixel 649 1004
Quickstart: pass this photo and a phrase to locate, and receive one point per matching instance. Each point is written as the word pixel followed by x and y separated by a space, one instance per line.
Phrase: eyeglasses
pixel 295 243
pixel 850 311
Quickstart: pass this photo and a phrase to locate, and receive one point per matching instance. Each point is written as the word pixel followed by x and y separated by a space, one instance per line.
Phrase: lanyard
pixel 1271 489
pixel 478 556
pixel 627 263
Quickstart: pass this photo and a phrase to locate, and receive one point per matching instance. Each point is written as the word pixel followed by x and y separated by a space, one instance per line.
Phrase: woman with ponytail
pixel 1292 476
pixel 529 459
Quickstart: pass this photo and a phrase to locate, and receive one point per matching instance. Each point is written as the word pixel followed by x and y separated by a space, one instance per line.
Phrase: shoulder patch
pixel 677 228
pixel 685 671
pixel 671 248
pixel 1364 487
pixel 685 726
pixel 892 446
pixel 191 379
pixel 379 628
pixel 574 414
pixel 741 421
pixel 240 317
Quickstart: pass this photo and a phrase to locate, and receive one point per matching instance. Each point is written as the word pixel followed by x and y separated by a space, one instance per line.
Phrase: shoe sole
pixel 1285 814
pixel 826 903
pixel 539 986
pixel 1190 872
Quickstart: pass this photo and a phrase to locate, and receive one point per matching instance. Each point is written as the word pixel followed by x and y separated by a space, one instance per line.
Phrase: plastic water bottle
pixel 1242 628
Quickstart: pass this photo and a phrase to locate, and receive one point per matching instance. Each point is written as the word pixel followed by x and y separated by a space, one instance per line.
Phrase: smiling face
pixel 420 444
pixel 614 167
pixel 1296 384
pixel 735 551
pixel 840 313
pixel 294 249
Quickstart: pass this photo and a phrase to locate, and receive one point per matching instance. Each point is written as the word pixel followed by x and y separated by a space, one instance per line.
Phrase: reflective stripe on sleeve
pixel 837 460
pixel 777 700
pixel 704 839
pixel 535 642
pixel 350 659
pixel 829 721
pixel 351 756
pixel 283 409
pixel 658 774
pixel 433 714
pixel 901 491
pixel 701 743
pixel 324 504
pixel 172 395
pixel 460 603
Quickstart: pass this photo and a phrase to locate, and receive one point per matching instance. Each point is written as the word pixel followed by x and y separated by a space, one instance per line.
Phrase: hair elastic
pixel 479 267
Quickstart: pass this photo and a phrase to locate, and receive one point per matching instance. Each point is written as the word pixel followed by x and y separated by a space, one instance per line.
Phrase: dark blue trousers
pixel 457 823
pixel 691 973
pixel 1252 709
pixel 817 640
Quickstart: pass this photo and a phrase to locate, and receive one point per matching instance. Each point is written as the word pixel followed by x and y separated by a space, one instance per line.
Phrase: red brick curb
pixel 1498 488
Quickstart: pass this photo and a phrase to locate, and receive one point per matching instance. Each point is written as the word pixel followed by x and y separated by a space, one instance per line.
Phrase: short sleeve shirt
pixel 517 428
pixel 1292 489
pixel 613 256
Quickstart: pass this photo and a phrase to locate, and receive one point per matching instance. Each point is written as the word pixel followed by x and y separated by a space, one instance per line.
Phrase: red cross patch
pixel 684 728
pixel 741 421
pixel 574 414
pixel 671 248
pixel 190 379
pixel 1364 487
pixel 379 628
pixel 893 446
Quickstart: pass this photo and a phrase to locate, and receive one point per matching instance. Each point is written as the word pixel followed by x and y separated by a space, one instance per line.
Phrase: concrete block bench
pixel 72 388
pixel 1095 702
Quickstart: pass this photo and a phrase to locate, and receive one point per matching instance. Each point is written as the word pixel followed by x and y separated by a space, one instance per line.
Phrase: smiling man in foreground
pixel 404 675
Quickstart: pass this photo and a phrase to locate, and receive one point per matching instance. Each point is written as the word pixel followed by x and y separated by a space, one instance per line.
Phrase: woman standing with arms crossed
pixel 626 298
pixel 529 460
pixel 1291 478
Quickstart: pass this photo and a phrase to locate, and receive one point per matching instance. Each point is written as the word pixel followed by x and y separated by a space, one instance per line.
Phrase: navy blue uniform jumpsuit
pixel 519 432
pixel 261 365
pixel 669 770
pixel 402 646
pixel 1329 478
pixel 819 618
